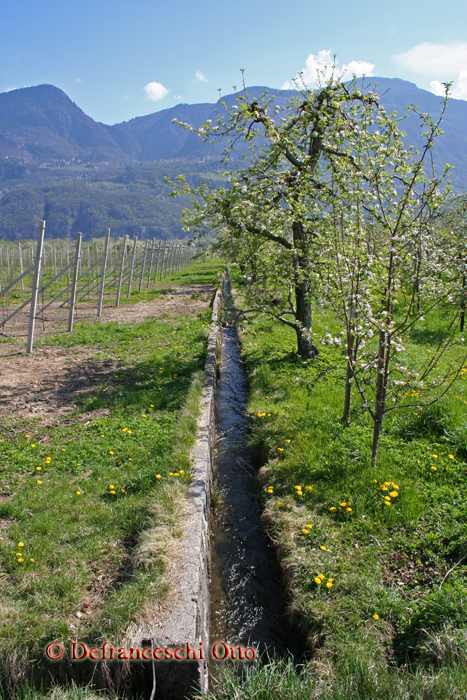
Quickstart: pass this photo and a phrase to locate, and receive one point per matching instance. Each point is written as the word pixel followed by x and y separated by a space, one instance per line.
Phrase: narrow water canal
pixel 247 605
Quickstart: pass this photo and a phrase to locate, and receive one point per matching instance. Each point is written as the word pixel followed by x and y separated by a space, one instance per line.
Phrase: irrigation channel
pixel 247 601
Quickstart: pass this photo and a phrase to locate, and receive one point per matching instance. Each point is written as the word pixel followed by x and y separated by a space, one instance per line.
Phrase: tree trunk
pixel 303 326
pixel 462 319
pixel 348 378
pixel 381 392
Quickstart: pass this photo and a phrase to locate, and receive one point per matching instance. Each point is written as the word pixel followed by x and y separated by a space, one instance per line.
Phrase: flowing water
pixel 247 604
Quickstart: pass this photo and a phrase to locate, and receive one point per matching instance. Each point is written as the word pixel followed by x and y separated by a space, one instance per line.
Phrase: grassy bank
pixel 90 500
pixel 376 559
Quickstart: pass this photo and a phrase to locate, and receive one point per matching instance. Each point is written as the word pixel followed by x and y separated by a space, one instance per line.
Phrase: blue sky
pixel 123 58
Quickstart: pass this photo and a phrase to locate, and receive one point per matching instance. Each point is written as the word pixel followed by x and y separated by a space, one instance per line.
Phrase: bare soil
pixel 45 384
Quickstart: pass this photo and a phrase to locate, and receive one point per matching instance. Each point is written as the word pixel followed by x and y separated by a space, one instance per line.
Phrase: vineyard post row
pixel 110 270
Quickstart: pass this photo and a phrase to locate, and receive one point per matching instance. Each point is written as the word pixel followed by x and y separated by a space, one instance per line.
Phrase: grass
pixel 378 590
pixel 90 505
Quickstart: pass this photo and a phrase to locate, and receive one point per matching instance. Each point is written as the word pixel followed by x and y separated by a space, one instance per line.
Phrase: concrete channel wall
pixel 189 620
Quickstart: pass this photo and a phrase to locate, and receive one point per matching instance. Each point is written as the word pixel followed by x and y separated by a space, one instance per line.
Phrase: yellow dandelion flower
pixel 123 491
pixel 38 469
pixel 63 449
pixel 144 415
pixel 280 504
pixel 329 584
pixel 182 471
pixel 124 430
pixel 322 576
pixel 299 488
pixel 434 469
pixel 26 436
pixel 281 449
pixel 331 580
pixel 158 476
pixel 348 510
pixel 323 548
pixel 111 452
pixel 305 531
pixel 287 441
pixel 20 559
pixel 176 474
pixel 32 444
pixel 129 432
pixel 309 525
pixel 308 488
pixel 375 481
pixel 332 509
pixel 78 493
pixel 393 494
pixel 318 581
pixel 435 456
pixel 113 492
pixel 387 503
pixel 20 544
pixel 171 473
pixel 269 414
pixel 451 456
pixel 38 481
pixel 151 406
pixel 102 435
pixel 376 616
pixel 111 486
pixel 31 559
pixel 343 505
pixel 396 487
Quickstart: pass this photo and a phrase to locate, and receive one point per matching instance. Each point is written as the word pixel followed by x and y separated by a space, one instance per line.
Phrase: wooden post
pixel 143 265
pixel 150 261
pixel 74 283
pixel 8 262
pixel 157 261
pixel 166 261
pixel 54 256
pixel 120 274
pixel 162 261
pixel 35 286
pixel 132 265
pixel 20 263
pixel 104 264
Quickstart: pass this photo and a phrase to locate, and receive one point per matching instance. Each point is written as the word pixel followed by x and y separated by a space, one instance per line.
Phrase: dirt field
pixel 44 384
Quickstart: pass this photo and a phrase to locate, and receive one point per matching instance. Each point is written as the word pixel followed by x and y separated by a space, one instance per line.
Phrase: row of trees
pixel 332 206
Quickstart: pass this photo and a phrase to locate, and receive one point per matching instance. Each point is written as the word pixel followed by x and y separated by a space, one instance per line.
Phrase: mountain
pixel 58 164
pixel 42 124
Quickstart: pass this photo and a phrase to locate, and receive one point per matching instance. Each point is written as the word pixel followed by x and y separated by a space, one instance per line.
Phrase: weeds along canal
pixel 247 600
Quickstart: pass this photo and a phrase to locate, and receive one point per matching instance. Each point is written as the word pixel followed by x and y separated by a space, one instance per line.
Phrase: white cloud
pixel 445 61
pixel 359 68
pixel 320 67
pixel 155 91
pixel 78 80
pixel 458 90
pixel 435 60
pixel 199 76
